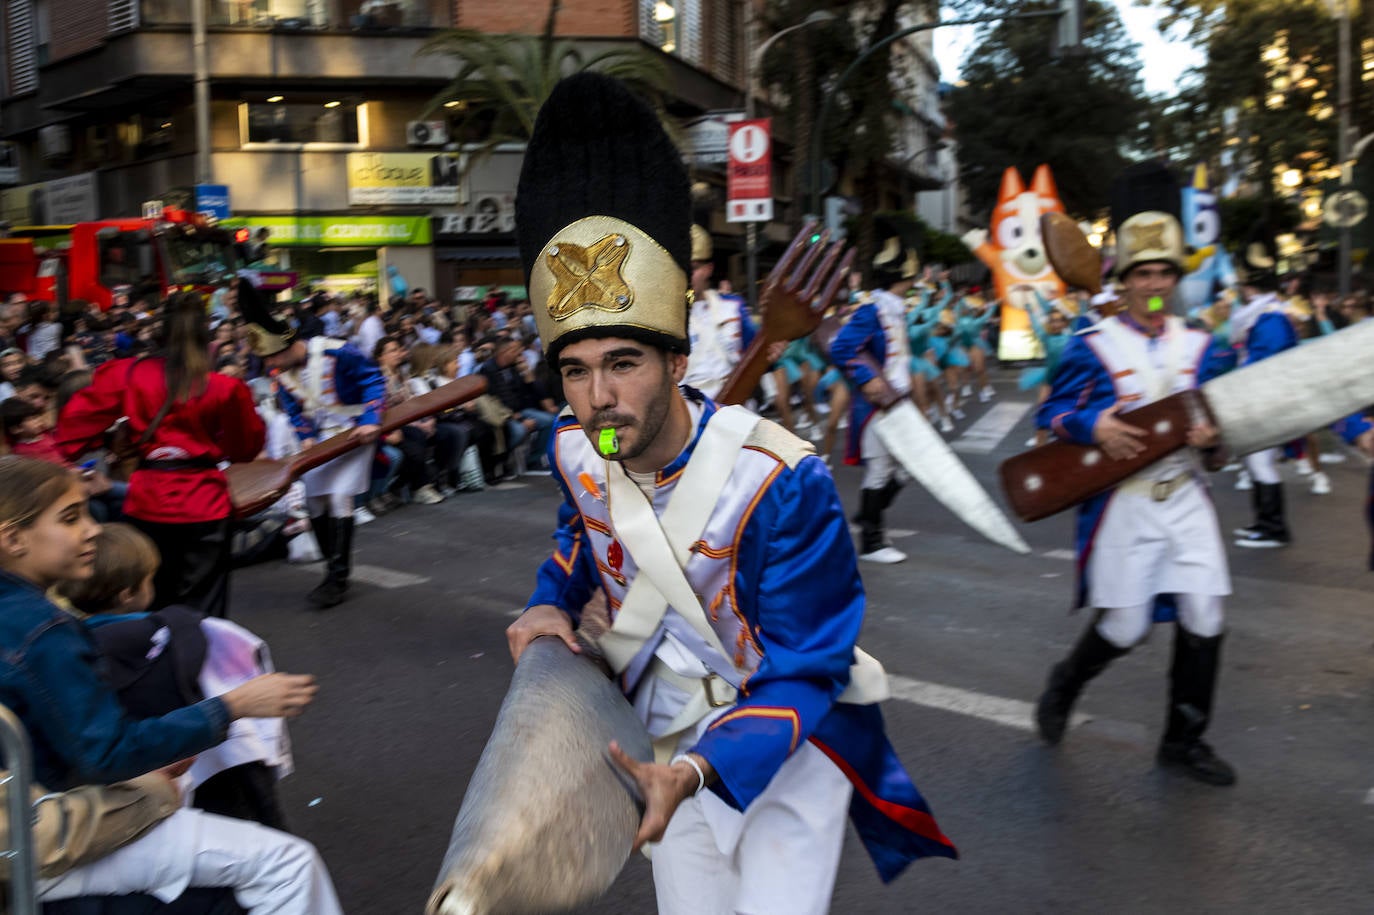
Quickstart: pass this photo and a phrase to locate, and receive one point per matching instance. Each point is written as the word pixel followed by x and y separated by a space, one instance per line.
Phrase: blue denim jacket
pixel 51 677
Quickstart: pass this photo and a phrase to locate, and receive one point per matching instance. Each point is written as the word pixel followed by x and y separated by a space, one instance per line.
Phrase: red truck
pixel 179 250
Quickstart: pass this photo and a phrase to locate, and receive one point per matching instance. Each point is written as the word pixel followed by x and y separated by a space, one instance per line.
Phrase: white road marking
pixel 1060 554
pixel 987 433
pixel 1012 713
pixel 389 579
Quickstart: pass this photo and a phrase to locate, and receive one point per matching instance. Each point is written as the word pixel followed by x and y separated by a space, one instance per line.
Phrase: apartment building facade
pixel 318 122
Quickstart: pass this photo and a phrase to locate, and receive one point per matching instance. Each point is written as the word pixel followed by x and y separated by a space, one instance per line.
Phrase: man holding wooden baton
pixel 1150 549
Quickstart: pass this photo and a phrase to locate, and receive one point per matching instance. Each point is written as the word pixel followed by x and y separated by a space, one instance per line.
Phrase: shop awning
pixel 478 254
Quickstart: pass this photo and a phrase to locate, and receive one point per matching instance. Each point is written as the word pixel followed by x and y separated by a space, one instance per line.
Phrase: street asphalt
pixel 414 665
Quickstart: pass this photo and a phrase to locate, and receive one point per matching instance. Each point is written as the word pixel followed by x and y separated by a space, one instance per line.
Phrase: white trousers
pixel 879 464
pixel 1144 548
pixel 1125 627
pixel 1263 466
pixel 270 872
pixel 778 857
pixel 348 474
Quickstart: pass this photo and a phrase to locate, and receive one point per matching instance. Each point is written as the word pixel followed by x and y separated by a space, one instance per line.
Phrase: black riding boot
pixel 1192 683
pixel 1271 527
pixel 329 531
pixel 1067 678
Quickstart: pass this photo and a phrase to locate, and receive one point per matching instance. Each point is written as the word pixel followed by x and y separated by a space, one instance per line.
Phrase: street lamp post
pixel 1343 140
pixel 751 229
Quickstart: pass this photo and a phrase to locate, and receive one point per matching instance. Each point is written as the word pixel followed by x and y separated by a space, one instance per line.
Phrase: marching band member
pixel 1149 550
pixel 327 387
pixel 877 329
pixel 665 492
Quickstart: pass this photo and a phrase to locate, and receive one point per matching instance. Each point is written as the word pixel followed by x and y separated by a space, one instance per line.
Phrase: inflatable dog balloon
pixel 1013 251
pixel 1208 269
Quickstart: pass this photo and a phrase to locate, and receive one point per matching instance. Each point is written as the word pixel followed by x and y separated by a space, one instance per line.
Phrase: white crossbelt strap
pixel 1158 383
pixel 661 547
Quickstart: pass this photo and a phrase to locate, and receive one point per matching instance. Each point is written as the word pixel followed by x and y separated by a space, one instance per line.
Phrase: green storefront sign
pixel 339 231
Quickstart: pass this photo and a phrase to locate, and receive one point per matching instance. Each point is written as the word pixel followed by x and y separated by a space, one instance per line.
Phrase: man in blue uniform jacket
pixel 762 711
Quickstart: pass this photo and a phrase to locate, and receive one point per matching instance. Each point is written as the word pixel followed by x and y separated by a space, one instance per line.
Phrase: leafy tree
pixel 1266 96
pixel 1084 114
pixel 503 80
pixel 803 69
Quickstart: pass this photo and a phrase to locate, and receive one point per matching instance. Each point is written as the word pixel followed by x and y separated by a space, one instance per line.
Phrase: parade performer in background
pixel 1051 326
pixel 877 329
pixel 1150 549
pixel 971 317
pixel 925 376
pixel 719 323
pixel 1260 329
pixel 756 757
pixel 184 421
pixel 327 387
pixel 1358 430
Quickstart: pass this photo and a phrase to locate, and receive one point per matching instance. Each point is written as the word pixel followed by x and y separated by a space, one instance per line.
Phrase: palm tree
pixel 502 80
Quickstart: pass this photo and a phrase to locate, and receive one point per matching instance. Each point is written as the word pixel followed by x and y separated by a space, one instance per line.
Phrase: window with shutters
pixel 674 26
pixel 23 63
pixel 123 15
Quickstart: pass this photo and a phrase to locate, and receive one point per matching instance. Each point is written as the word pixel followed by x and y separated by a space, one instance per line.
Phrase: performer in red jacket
pixel 185 421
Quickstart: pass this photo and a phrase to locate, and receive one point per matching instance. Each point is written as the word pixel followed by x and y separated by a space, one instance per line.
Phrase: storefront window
pixel 331 121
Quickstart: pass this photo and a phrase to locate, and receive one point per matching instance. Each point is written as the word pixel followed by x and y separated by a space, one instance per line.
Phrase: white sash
pixel 661 547
pixel 1156 382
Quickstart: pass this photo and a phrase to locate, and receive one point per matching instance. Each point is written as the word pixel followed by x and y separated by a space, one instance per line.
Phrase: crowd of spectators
pixel 418 341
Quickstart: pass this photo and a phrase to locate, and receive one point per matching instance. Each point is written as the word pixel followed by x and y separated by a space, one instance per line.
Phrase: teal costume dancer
pixel 1053 344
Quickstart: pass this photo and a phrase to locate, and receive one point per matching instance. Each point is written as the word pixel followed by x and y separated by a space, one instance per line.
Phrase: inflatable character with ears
pixel 1013 251
pixel 1208 269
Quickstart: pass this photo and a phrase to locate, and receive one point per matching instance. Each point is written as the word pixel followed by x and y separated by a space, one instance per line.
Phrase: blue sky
pixel 1166 59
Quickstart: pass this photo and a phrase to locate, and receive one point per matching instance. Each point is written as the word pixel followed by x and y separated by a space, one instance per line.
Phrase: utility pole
pixel 200 61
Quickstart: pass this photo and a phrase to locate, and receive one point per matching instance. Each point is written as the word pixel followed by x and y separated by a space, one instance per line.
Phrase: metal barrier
pixel 14 743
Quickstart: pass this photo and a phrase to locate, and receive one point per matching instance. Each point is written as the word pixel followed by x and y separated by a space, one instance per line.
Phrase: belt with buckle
pixel 1163 489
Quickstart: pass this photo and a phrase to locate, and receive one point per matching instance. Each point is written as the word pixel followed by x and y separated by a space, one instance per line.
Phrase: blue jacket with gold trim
pixel 778 576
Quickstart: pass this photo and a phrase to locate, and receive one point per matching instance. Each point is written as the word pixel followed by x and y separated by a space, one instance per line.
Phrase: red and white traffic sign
pixel 749 172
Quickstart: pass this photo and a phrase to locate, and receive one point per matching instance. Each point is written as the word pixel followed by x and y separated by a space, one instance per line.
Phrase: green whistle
pixel 607 442
pixel 1155 303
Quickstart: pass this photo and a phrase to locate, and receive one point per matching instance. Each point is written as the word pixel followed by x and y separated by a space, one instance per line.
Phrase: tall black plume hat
pixel 603 215
pixel 1146 205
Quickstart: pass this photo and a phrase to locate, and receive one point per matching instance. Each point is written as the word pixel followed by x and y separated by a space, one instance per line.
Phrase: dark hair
pixel 185 345
pixel 14 412
pixel 381 345
pixel 32 374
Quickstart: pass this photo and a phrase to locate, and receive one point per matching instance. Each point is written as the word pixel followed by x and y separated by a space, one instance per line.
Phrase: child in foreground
pixel 49 677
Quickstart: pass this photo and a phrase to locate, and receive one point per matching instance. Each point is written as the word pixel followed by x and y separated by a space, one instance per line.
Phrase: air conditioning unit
pixel 55 142
pixel 426 133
